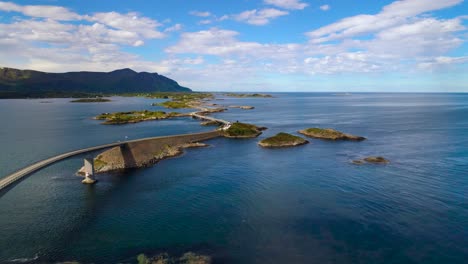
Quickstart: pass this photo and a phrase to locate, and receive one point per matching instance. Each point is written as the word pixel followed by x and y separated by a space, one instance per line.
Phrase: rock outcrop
pixel 282 140
pixel 372 159
pixel 243 130
pixel 329 134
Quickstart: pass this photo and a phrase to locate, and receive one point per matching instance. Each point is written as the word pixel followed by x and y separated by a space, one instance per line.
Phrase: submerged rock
pixel 371 159
pixel 329 134
pixel 376 159
pixel 244 107
pixel 282 140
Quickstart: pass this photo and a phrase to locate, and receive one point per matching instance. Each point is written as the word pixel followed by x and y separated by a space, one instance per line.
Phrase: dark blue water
pixel 241 203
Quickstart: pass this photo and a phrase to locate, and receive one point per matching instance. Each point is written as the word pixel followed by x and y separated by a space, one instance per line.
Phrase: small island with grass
pixel 243 130
pixel 248 95
pixel 120 118
pixel 91 100
pixel 329 134
pixel 282 140
pixel 165 258
pixel 180 100
pixel 243 107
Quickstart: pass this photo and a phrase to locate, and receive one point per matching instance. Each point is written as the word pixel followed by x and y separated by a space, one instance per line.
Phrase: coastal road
pixel 204 117
pixel 21 174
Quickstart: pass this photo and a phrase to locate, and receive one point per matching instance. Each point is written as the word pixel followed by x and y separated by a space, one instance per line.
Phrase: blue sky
pixel 248 45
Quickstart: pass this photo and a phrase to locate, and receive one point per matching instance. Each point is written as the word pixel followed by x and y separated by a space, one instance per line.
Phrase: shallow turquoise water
pixel 241 203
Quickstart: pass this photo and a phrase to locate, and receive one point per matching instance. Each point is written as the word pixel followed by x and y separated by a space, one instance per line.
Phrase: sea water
pixel 236 201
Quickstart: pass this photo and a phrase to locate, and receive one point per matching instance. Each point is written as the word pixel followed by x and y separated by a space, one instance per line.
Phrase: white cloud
pixel 205 22
pixel 259 17
pixel 42 11
pixel 402 37
pixel 325 7
pixel 200 13
pixel 174 28
pixel 143 26
pixel 441 62
pixel 48 41
pixel 287 4
pixel 391 15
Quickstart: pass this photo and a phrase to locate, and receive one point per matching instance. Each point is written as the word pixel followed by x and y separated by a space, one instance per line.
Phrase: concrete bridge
pixel 199 115
pixel 23 173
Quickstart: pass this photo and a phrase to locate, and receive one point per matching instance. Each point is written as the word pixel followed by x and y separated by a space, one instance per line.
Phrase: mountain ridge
pixel 16 83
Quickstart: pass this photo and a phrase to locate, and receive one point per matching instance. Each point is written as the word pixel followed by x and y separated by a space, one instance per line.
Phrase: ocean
pixel 236 201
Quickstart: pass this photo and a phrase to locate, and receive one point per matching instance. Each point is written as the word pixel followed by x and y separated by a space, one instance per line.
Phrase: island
pixel 282 140
pixel 243 107
pixel 372 159
pixel 164 258
pixel 180 100
pixel 119 118
pixel 329 134
pixel 91 100
pixel 242 130
pixel 247 95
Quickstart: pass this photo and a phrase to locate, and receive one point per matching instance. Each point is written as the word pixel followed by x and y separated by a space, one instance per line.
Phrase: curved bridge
pixel 21 174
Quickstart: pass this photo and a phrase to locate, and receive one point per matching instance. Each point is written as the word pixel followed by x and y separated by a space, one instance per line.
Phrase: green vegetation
pixel 91 100
pixel 180 100
pixel 282 140
pixel 242 130
pixel 98 163
pixel 134 116
pixel 164 258
pixel 243 95
pixel 16 83
pixel 179 96
pixel 329 134
pixel 174 104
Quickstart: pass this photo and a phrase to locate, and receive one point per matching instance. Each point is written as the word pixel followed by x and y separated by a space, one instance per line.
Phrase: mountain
pixel 16 83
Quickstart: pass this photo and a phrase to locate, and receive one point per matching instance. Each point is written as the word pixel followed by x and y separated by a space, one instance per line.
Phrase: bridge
pixel 200 115
pixel 23 173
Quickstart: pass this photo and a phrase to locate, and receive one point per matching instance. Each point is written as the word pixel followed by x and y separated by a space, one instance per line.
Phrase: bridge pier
pixel 89 171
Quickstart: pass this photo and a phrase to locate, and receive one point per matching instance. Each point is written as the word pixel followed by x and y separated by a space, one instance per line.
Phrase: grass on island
pixel 283 139
pixel 324 132
pixel 243 95
pixel 174 104
pixel 179 100
pixel 242 130
pixel 165 258
pixel 134 116
pixel 91 100
pixel 175 96
pixel 328 133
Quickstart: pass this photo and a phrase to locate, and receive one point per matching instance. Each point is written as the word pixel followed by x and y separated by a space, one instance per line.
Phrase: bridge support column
pixel 89 171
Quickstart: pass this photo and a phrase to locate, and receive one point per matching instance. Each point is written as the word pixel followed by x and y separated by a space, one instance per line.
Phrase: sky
pixel 248 45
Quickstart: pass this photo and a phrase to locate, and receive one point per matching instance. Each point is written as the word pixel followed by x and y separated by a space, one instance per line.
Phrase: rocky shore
pixel 243 130
pixel 329 134
pixel 282 140
pixel 244 107
pixel 120 118
pixel 164 258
